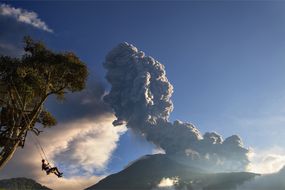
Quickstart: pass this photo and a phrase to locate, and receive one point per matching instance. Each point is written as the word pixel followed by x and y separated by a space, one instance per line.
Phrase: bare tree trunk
pixel 8 151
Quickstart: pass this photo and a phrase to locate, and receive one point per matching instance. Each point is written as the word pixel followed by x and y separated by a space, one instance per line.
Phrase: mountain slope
pixel 21 184
pixel 147 172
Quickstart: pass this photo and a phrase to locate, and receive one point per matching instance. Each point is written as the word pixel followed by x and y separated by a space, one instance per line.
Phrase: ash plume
pixel 140 96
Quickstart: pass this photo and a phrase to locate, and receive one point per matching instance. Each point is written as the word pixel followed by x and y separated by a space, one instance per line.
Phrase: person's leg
pixel 56 169
pixel 56 172
pixel 51 170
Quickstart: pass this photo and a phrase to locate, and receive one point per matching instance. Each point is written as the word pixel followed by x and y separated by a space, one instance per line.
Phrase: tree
pixel 25 84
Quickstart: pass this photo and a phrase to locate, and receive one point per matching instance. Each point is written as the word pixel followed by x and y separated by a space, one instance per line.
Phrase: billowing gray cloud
pixel 140 96
pixel 140 90
pixel 24 16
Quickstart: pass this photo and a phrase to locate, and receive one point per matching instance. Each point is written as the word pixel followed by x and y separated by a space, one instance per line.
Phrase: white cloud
pixel 167 184
pixel 158 150
pixel 74 183
pixel 91 148
pixel 78 148
pixel 24 16
pixel 267 161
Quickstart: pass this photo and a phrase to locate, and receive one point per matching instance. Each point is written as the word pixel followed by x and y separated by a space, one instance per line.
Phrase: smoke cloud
pixel 141 97
pixel 140 90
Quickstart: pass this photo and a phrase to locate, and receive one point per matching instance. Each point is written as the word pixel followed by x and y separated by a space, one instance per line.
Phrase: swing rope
pixel 35 140
pixel 41 148
pixel 37 147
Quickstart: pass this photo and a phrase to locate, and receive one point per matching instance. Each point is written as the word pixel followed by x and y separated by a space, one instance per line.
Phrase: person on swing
pixel 46 167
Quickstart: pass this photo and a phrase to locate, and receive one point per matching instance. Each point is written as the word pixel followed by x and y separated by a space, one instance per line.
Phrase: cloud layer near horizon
pixel 80 148
pixel 274 181
pixel 267 161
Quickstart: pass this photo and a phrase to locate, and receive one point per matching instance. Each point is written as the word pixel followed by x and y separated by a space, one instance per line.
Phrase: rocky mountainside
pixel 147 173
pixel 21 184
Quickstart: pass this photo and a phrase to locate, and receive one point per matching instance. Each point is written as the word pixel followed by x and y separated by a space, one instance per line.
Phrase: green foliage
pixel 46 119
pixel 39 73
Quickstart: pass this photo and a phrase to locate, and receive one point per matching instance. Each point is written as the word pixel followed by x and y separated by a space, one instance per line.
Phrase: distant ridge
pixel 21 184
pixel 147 172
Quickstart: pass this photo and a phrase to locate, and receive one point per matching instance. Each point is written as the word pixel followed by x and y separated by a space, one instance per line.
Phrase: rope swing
pixel 39 147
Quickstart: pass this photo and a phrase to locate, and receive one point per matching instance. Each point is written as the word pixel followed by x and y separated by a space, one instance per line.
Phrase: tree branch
pixel 56 91
pixel 3 101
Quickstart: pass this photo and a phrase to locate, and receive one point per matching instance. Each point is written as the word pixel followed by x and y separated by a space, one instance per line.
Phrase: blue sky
pixel 226 60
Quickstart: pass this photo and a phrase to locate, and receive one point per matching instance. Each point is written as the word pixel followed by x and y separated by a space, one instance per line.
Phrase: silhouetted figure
pixel 46 167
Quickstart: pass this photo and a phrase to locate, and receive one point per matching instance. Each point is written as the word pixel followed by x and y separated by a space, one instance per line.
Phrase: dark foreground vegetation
pixel 21 184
